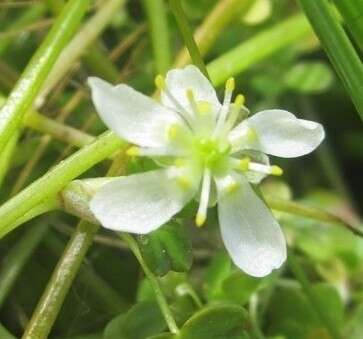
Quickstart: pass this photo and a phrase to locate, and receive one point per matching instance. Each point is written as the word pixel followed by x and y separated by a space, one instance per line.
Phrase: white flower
pixel 203 155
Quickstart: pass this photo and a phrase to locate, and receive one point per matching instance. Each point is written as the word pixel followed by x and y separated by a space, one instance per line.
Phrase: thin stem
pixel 62 278
pixel 159 33
pixel 187 34
pixel 78 45
pixel 164 307
pixel 18 256
pixel 295 208
pixel 338 48
pixel 7 155
pixel 221 15
pixel 257 48
pixel 53 181
pixel 29 84
pixel 299 274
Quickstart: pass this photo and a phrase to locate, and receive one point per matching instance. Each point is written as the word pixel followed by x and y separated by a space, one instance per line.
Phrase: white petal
pixel 250 233
pixel 178 81
pixel 278 133
pixel 132 115
pixel 139 203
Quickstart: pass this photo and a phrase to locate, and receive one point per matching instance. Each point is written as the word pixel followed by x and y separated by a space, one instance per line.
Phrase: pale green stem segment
pixel 5 158
pixel 53 181
pixel 159 33
pixel 28 16
pixel 295 208
pixel 257 48
pixel 222 14
pixel 5 334
pixel 79 44
pixel 17 257
pixel 33 77
pixel 187 34
pixel 352 12
pixel 57 130
pixel 338 47
pixel 300 275
pixel 164 307
pixel 62 278
pixel 106 144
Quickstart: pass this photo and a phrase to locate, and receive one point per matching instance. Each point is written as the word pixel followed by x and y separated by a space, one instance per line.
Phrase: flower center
pixel 211 153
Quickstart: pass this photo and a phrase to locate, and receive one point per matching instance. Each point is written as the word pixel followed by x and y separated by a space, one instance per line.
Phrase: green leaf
pixel 309 77
pixel 141 321
pixel 167 248
pixel 218 270
pixel 220 321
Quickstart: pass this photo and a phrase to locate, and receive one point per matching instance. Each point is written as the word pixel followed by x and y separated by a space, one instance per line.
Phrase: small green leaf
pixel 220 321
pixel 167 248
pixel 218 270
pixel 309 77
pixel 141 321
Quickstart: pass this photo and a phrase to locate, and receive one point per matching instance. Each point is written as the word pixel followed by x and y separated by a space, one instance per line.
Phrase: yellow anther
pixel 251 134
pixel 190 94
pixel 244 164
pixel 133 151
pixel 232 187
pixel 172 131
pixel 200 219
pixel 160 82
pixel 240 100
pixel 230 85
pixel 179 162
pixel 183 182
pixel 203 107
pixel 276 170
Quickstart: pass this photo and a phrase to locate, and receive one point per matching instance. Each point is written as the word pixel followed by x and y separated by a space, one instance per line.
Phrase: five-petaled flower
pixel 205 152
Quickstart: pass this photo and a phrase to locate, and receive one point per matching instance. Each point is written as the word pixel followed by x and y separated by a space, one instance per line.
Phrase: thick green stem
pixel 257 48
pixel 164 307
pixel 62 278
pixel 299 274
pixel 29 84
pixel 18 256
pixel 187 34
pixel 159 34
pixel 338 47
pixel 352 12
pixel 53 181
pixel 6 157
pixel 224 12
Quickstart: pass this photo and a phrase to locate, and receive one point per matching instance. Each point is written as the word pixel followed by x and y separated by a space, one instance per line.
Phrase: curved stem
pixel 164 307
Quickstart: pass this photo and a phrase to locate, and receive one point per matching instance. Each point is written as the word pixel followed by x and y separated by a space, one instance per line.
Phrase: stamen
pixel 234 113
pixel 160 82
pixel 273 170
pixel 204 198
pixel 230 85
pixel 241 164
pixel 133 151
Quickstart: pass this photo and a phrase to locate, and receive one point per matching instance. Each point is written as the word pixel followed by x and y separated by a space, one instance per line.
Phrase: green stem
pixel 5 334
pixel 164 307
pixel 159 33
pixel 187 34
pixel 79 44
pixel 57 130
pixel 295 208
pixel 61 280
pixel 29 84
pixel 257 48
pixel 338 47
pixel 7 155
pixel 58 177
pixel 299 274
pixel 352 12
pixel 18 256
pixel 223 13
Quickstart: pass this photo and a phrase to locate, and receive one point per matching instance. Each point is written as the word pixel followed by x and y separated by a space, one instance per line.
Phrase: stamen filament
pixel 230 85
pixel 204 198
pixel 273 170
pixel 234 113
